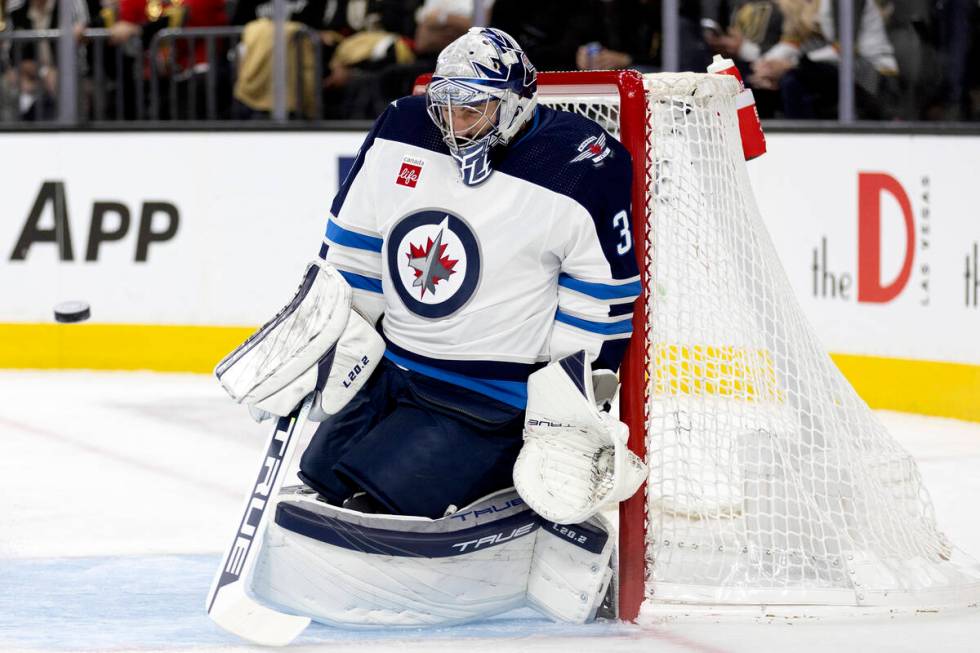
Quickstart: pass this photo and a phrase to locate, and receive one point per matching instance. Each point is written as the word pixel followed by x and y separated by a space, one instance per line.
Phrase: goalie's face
pixel 463 123
pixel 470 123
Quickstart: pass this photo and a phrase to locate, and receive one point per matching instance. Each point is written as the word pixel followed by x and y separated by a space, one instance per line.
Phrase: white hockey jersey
pixel 480 286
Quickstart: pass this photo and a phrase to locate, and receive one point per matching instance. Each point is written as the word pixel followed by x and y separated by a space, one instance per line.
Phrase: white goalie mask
pixel 482 93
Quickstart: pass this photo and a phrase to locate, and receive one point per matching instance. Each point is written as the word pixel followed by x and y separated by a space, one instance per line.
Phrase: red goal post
pixel 627 91
pixel 627 116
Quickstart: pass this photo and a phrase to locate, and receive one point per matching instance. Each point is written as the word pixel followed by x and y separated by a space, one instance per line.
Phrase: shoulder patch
pixel 593 149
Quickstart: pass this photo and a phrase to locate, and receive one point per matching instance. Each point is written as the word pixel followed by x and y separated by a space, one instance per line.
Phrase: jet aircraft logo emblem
pixel 430 262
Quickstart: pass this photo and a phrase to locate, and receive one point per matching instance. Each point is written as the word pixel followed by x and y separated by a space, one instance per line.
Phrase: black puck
pixel 72 312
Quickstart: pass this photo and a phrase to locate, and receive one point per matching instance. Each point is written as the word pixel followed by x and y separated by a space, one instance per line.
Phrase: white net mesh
pixel 770 479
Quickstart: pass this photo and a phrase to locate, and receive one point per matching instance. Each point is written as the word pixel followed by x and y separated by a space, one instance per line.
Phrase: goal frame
pixel 628 88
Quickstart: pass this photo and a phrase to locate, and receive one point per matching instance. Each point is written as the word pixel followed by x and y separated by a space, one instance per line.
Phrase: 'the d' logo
pixel 871 186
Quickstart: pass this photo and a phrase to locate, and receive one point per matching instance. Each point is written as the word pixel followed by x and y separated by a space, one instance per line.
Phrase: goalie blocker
pixel 317 343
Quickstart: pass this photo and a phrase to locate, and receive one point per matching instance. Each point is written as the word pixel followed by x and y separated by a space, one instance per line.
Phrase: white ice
pixel 118 491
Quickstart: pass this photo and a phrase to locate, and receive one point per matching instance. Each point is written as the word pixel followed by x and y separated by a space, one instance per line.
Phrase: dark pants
pixel 810 91
pixel 414 444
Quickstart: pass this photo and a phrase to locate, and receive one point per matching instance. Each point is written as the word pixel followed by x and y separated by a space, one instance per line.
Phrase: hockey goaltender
pixel 455 347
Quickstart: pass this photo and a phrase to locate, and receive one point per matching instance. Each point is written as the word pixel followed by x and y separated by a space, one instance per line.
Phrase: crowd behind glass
pixel 915 60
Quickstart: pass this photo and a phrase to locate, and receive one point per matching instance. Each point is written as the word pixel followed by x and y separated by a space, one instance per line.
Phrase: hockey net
pixel 771 482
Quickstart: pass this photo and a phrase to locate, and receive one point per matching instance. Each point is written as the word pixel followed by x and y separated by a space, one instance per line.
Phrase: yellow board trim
pixel 117 346
pixel 914 386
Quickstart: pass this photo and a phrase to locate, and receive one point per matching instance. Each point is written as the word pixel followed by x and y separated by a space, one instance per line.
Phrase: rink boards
pixel 184 242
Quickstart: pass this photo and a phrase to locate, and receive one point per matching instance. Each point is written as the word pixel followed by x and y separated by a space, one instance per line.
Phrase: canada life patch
pixel 410 172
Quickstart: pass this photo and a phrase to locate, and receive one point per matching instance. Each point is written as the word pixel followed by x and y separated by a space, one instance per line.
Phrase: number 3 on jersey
pixel 622 221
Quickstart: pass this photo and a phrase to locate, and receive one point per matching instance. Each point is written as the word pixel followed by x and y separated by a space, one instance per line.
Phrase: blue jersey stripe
pixel 512 393
pixel 361 282
pixel 603 328
pixel 340 236
pixel 484 369
pixel 600 290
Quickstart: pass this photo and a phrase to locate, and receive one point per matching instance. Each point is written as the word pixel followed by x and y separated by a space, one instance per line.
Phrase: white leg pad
pixel 570 570
pixel 351 569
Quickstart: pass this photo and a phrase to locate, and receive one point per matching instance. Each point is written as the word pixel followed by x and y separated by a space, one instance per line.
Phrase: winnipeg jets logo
pixel 433 260
pixel 430 263
pixel 594 148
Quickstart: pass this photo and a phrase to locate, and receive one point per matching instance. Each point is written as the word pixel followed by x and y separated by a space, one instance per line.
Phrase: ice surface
pixel 119 490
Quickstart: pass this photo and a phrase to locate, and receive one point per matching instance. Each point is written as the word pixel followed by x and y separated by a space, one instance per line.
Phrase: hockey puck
pixel 72 312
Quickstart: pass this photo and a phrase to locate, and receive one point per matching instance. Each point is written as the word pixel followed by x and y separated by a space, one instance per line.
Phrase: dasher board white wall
pixel 183 242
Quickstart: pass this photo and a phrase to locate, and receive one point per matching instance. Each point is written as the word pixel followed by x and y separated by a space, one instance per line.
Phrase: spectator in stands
pixel 381 37
pixel 437 24
pixel 694 55
pixel 599 34
pixel 253 92
pixel 745 31
pixel 440 22
pixel 957 33
pixel 551 31
pixel 33 84
pixel 308 12
pixel 9 91
pixel 144 18
pixel 803 66
pixel 630 37
pixel 909 24
pixel 147 17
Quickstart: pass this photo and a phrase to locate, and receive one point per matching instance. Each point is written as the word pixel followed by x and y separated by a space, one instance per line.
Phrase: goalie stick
pixel 228 604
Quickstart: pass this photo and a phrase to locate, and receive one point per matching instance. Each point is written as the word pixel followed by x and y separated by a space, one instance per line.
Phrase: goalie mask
pixel 482 93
